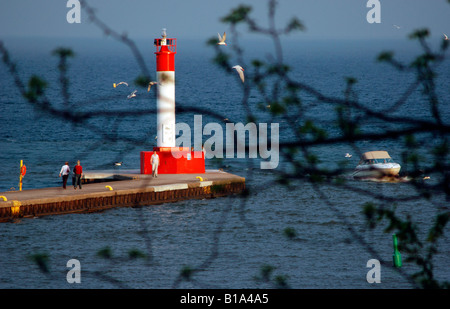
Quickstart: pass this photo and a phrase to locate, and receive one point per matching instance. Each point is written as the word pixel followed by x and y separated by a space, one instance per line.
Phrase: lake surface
pixel 231 239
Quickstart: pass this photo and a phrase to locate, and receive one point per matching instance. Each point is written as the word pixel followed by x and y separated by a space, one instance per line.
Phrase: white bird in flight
pixel 132 95
pixel 445 37
pixel 150 85
pixel 240 70
pixel 347 155
pixel 222 39
pixel 398 27
pixel 124 83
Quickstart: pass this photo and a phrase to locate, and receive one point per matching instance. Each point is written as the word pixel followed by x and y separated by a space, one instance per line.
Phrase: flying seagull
pixel 132 95
pixel 398 27
pixel 240 70
pixel 124 83
pixel 222 39
pixel 347 155
pixel 150 85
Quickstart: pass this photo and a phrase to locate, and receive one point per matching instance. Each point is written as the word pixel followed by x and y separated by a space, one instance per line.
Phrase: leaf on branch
pixel 385 56
pixel 36 87
pixel 142 81
pixel 237 15
pixel 410 141
pixel 419 34
pixel 63 52
pixel 295 24
pixel 105 253
pixel 41 259
pixel 134 254
pixel 257 63
pixel 266 272
pixel 221 59
pixel 277 109
pixel 279 69
pixel 281 282
pixel 351 81
pixel 186 272
pixel 212 41
pixel 290 233
pixel 370 211
pixel 422 61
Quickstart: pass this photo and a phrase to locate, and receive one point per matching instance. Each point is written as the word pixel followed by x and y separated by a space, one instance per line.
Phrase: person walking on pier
pixel 155 164
pixel 77 173
pixel 65 171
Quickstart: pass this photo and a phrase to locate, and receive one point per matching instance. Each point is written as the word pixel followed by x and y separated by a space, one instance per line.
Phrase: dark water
pixel 230 238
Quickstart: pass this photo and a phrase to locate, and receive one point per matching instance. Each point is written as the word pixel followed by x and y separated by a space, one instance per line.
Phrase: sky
pixel 201 19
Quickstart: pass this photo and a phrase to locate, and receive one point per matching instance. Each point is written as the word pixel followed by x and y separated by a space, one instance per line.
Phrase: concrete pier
pixel 107 189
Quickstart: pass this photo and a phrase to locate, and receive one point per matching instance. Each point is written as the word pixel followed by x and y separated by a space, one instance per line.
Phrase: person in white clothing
pixel 65 170
pixel 155 164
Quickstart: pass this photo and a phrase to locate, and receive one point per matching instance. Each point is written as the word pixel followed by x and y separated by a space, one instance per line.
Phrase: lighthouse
pixel 165 74
pixel 173 160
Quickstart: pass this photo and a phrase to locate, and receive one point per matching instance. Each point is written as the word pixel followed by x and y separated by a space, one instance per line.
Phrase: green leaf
pixel 385 56
pixel 266 272
pixel 277 109
pixel 186 272
pixel 212 41
pixel 237 15
pixel 142 81
pixel 63 52
pixel 351 80
pixel 36 87
pixel 42 260
pixel 134 254
pixel 419 34
pixel 281 282
pixel 295 24
pixel 290 233
pixel 105 253
pixel 257 63
pixel 221 59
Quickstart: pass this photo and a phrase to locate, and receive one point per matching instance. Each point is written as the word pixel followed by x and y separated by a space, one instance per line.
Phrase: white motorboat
pixel 376 164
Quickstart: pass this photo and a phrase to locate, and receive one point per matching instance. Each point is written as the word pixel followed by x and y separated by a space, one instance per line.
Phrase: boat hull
pixel 377 171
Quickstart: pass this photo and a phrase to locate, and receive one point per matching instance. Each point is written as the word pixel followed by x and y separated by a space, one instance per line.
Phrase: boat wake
pixel 391 179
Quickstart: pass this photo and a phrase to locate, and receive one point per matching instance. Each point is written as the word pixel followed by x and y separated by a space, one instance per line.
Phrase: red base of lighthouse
pixel 174 160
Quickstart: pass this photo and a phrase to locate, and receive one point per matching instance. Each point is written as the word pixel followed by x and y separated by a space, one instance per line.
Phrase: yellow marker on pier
pixel 15 208
pixel 23 171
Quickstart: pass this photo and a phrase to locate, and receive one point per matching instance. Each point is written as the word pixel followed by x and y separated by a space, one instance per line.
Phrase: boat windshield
pixel 379 161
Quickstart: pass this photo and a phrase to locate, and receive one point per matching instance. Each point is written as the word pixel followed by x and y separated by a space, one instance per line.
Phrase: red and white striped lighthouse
pixel 173 160
pixel 165 74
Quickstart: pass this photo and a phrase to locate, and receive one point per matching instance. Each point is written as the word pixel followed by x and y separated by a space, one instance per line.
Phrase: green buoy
pixel 396 257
